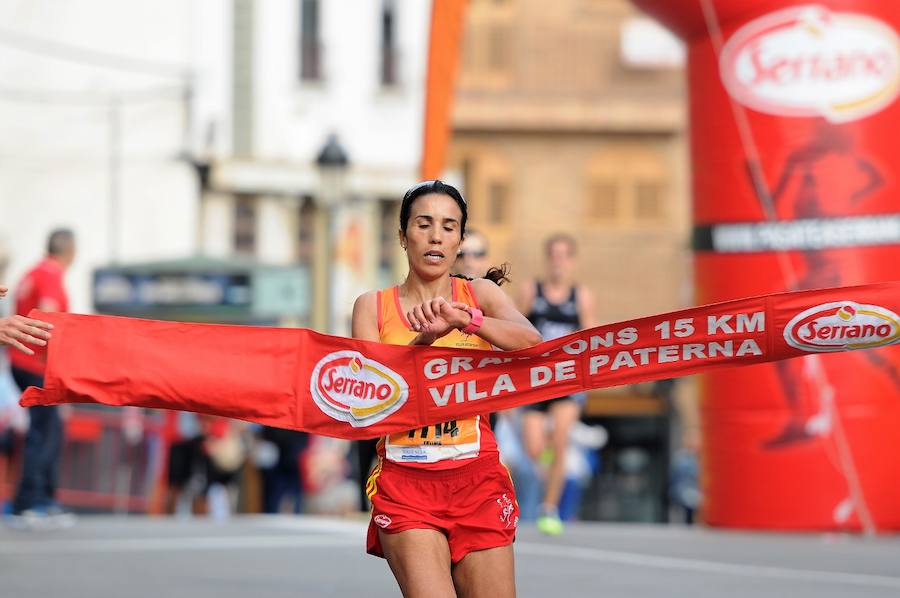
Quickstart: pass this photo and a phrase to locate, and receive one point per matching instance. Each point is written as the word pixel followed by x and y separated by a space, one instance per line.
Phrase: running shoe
pixel 549 523
pixel 60 517
pixel 30 520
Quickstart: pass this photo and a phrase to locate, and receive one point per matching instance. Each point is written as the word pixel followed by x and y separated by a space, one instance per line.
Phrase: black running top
pixel 554 320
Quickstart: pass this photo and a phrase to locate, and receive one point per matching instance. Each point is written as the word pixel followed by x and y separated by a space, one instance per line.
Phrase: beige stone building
pixel 558 127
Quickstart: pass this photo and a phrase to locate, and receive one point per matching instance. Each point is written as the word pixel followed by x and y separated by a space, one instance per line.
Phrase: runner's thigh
pixel 420 561
pixel 486 574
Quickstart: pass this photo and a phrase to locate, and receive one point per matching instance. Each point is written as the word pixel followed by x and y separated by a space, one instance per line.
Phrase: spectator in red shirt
pixel 42 288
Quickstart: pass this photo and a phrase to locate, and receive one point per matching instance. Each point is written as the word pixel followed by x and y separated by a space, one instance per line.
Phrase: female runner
pixel 557 306
pixel 444 512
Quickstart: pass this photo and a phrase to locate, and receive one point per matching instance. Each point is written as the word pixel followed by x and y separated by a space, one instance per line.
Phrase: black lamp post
pixel 333 163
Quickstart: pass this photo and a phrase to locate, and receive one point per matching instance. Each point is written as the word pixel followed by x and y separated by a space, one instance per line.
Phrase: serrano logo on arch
pixel 810 61
pixel 842 325
pixel 349 387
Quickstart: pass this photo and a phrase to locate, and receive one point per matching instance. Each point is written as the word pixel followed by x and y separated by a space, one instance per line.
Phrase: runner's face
pixel 560 261
pixel 432 235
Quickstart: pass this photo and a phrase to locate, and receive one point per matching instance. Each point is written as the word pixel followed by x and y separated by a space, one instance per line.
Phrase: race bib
pixel 459 439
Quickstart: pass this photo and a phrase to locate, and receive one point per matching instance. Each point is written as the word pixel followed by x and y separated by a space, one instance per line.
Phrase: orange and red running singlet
pixel 446 445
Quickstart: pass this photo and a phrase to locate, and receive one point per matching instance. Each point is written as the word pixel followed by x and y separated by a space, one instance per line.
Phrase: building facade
pixel 302 73
pixel 193 128
pixel 570 117
pixel 96 110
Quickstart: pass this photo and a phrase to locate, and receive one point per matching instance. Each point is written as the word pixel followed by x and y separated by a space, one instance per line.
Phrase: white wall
pixel 276 230
pixel 210 57
pixel 380 128
pixel 56 120
pixel 54 150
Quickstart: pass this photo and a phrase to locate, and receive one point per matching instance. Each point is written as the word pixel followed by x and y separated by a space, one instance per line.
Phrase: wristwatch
pixel 476 322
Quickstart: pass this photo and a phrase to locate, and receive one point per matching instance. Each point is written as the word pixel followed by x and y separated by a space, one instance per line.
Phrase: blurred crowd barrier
pixel 631 459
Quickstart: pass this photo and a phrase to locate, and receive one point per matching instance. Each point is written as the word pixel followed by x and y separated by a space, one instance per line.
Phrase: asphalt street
pixel 262 557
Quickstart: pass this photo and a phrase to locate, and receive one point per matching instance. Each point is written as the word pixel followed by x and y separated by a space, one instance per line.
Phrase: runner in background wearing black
pixel 557 307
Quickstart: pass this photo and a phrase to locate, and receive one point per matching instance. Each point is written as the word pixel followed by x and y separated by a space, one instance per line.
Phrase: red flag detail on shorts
pixel 303 380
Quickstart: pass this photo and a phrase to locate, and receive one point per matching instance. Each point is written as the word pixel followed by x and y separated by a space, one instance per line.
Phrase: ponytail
pixel 497 275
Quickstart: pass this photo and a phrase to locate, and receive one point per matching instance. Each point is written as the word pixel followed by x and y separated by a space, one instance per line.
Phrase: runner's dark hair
pixel 498 275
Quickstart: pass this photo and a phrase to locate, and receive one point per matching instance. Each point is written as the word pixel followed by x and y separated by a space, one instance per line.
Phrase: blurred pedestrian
pixel 186 468
pixel 684 470
pixel 557 306
pixel 225 449
pixel 206 456
pixel 472 260
pixel 42 288
pixel 13 421
pixel 366 453
pixel 281 472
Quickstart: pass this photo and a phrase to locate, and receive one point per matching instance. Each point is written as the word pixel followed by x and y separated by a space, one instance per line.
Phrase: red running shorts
pixel 474 506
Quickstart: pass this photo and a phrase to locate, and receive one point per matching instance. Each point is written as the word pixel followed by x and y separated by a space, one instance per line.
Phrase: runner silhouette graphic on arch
pixel 824 172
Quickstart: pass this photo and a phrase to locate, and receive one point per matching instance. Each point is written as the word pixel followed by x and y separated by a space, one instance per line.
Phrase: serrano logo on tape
pixel 352 388
pixel 810 61
pixel 842 325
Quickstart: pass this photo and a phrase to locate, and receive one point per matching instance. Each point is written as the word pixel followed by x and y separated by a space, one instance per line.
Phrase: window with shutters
pixel 603 201
pixel 498 203
pixel 648 205
pixel 389 55
pixel 310 44
pixel 626 186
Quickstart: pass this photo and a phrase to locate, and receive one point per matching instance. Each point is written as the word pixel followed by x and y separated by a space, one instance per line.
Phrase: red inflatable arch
pixel 795 118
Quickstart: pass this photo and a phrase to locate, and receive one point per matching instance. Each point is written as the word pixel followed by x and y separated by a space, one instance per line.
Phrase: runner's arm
pixel 504 326
pixel 525 296
pixel 364 324
pixel 587 308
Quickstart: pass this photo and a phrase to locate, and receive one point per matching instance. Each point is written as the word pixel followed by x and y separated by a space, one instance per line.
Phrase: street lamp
pixel 332 164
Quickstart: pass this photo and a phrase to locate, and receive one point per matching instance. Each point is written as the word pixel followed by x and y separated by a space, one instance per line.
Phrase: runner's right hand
pixel 436 317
